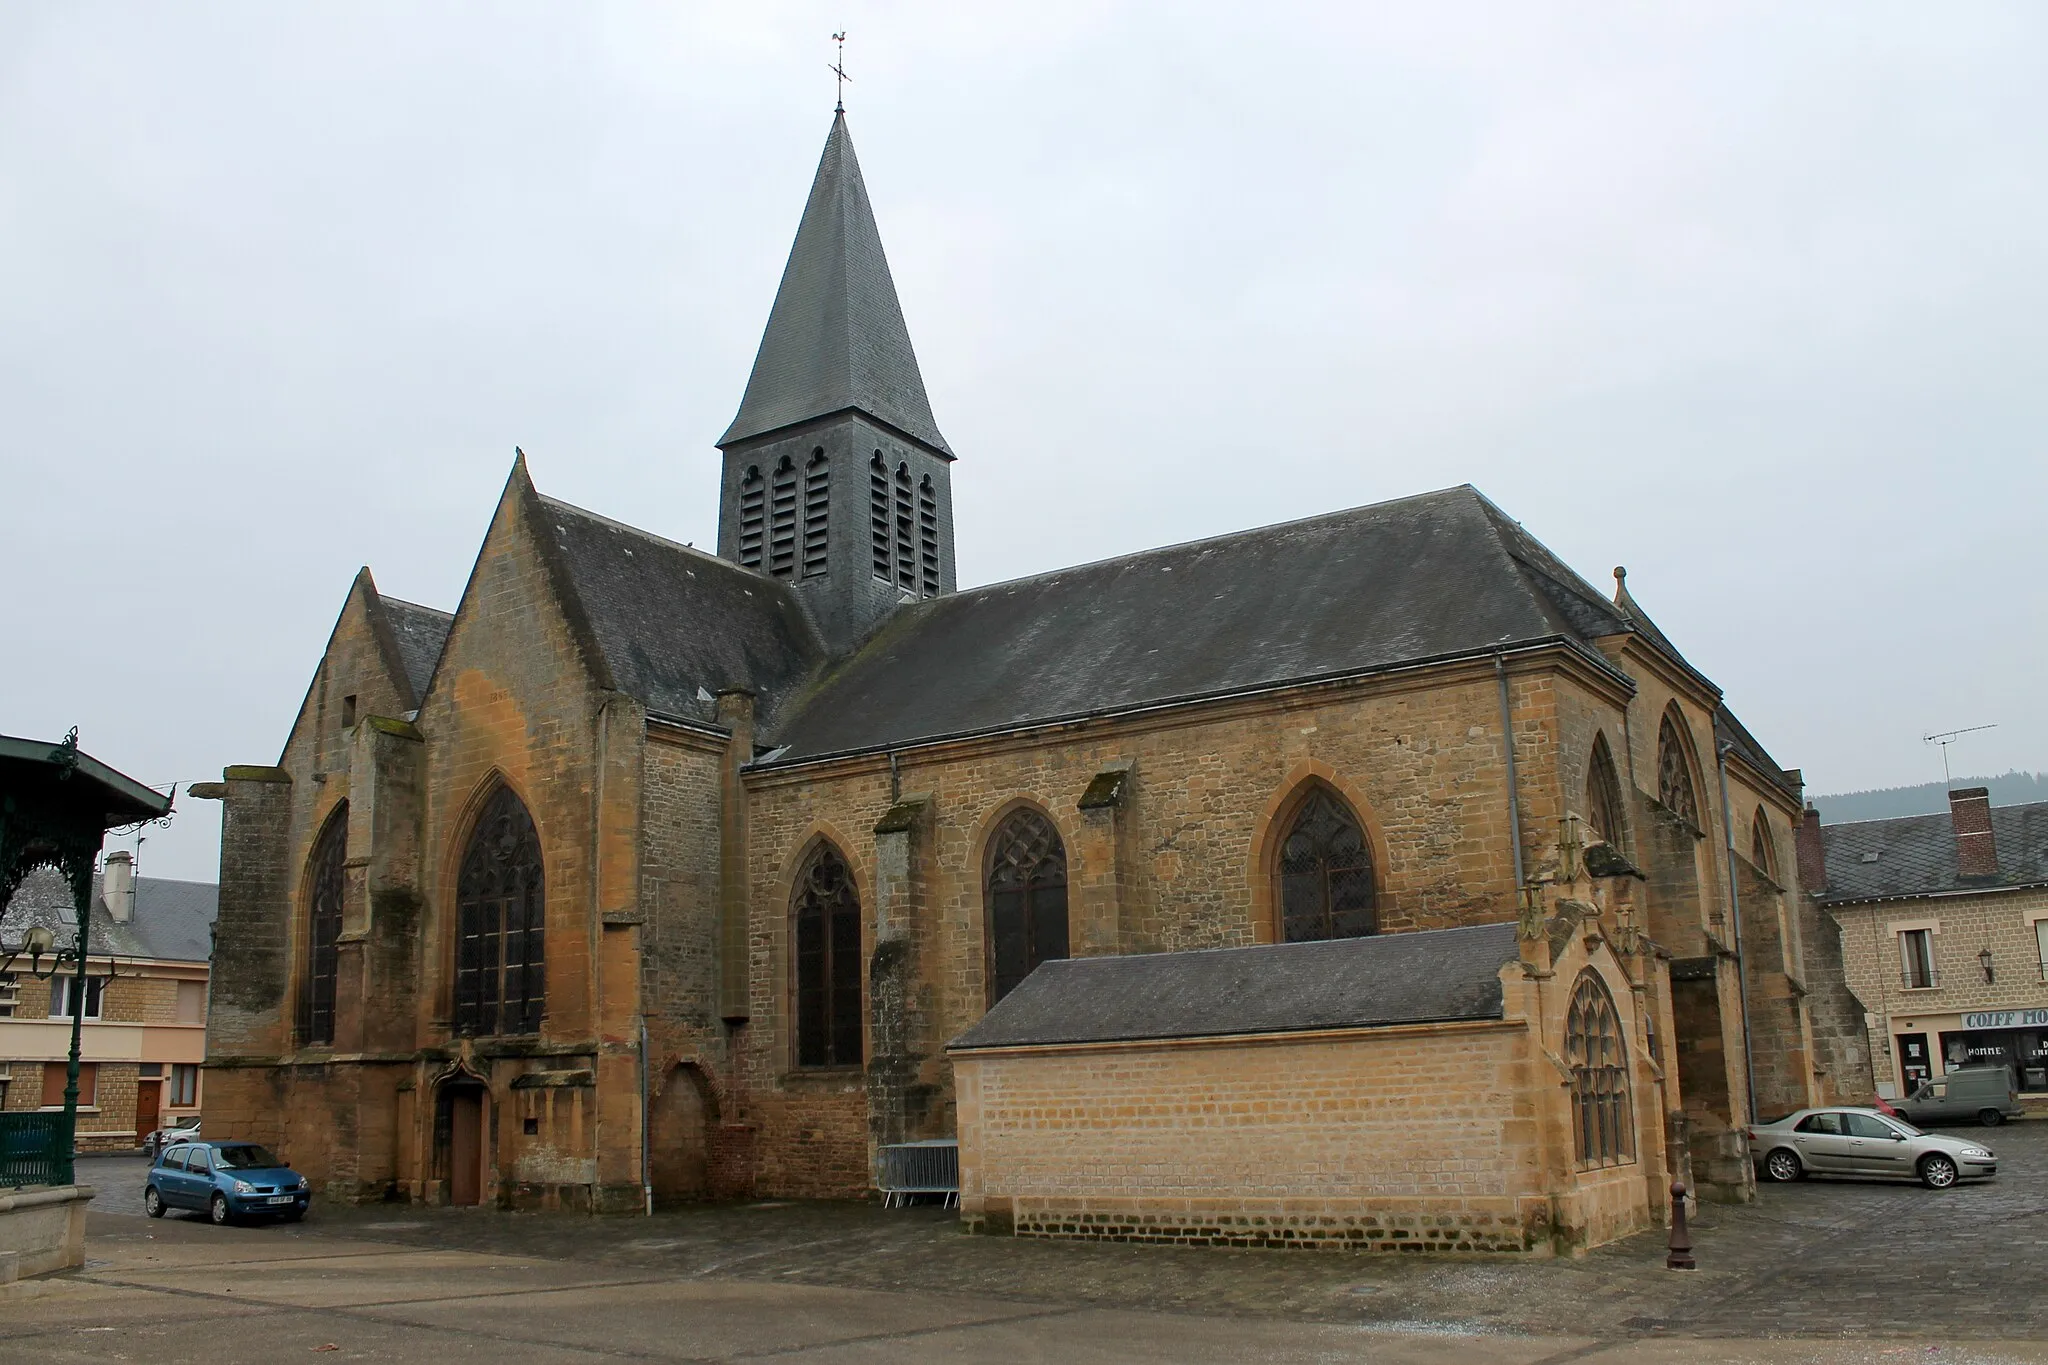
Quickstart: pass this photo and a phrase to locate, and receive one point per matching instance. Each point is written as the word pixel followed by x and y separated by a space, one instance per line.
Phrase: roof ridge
pixel 391 601
pixel 644 534
pixel 1923 815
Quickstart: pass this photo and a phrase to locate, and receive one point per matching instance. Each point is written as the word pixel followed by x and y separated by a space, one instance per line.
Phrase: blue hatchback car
pixel 225 1180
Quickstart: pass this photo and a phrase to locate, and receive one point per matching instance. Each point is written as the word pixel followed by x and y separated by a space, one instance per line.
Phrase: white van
pixel 1980 1094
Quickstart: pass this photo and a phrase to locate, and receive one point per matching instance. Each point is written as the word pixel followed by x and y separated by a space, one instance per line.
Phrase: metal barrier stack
pixel 911 1168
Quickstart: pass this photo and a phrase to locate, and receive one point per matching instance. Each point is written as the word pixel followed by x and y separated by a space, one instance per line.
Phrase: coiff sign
pixel 2007 1019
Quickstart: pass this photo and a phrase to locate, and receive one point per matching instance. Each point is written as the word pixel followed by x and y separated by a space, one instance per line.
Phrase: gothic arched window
pixel 828 962
pixel 817 507
pixel 782 520
pixel 1027 899
pixel 1674 773
pixel 1327 887
pixel 1760 845
pixel 753 504
pixel 329 871
pixel 928 536
pixel 1602 1119
pixel 878 514
pixel 500 923
pixel 1603 794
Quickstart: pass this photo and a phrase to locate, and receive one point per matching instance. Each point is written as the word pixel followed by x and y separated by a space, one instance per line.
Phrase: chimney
pixel 117 887
pixel 1813 854
pixel 1969 810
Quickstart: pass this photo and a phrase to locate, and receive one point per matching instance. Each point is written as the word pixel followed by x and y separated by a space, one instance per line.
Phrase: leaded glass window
pixel 1027 899
pixel 1603 1122
pixel 1760 845
pixel 500 934
pixel 1327 887
pixel 828 962
pixel 323 928
pixel 1603 794
pixel 1674 774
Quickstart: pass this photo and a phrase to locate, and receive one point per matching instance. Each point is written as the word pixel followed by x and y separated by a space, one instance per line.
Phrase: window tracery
pixel 1027 899
pixel 1327 886
pixel 1603 794
pixel 323 929
pixel 828 962
pixel 1674 774
pixel 1603 1121
pixel 500 934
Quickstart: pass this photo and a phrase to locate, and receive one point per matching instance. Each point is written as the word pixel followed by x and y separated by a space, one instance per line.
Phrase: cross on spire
pixel 838 69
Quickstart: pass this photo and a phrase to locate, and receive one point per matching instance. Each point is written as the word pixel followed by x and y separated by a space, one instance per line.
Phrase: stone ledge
pixel 42 1231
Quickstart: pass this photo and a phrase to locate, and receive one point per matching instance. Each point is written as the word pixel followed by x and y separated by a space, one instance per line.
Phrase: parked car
pixel 226 1181
pixel 1969 1094
pixel 177 1130
pixel 1866 1143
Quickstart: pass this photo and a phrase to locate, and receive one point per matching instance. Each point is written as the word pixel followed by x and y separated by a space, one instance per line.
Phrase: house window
pixel 1674 773
pixel 753 511
pixel 878 514
pixel 906 539
pixel 1603 794
pixel 828 962
pixel 1027 899
pixel 323 929
pixel 1602 1121
pixel 501 905
pixel 2040 943
pixel 928 536
pixel 817 512
pixel 182 1092
pixel 64 996
pixel 1916 959
pixel 191 1002
pixel 10 994
pixel 782 520
pixel 1327 887
pixel 55 1076
pixel 1760 846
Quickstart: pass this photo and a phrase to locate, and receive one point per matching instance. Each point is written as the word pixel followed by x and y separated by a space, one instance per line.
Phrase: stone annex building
pixel 648 873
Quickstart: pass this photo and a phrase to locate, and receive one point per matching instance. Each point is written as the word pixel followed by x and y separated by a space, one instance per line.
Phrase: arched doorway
pixel 679 1117
pixel 459 1128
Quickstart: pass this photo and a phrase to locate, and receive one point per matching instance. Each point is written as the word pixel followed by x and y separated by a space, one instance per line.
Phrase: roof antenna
pixel 838 69
pixel 1947 737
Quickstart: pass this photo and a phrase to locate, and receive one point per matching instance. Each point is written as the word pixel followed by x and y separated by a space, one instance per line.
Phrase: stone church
pixel 649 874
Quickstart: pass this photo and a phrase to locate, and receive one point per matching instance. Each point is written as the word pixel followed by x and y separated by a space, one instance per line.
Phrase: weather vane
pixel 839 70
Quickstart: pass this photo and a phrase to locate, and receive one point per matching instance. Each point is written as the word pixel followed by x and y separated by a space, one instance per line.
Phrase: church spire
pixel 836 340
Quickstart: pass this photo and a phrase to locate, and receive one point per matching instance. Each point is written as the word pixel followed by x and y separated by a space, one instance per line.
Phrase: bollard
pixel 1680 1257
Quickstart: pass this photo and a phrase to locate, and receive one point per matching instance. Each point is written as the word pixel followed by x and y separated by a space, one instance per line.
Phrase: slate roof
pixel 1434 576
pixel 172 921
pixel 421 633
pixel 1915 855
pixel 836 338
pixel 669 620
pixel 1426 977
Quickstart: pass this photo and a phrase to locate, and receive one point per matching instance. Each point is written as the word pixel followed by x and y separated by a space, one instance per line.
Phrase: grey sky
pixel 1749 299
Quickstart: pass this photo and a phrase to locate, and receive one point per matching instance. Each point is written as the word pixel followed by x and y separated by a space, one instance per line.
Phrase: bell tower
pixel 836 477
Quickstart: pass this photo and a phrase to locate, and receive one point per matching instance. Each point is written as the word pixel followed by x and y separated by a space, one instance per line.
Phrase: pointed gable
pixel 836 339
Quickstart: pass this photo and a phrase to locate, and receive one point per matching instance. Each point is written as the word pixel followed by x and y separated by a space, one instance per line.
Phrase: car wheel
pixel 1937 1172
pixel 218 1209
pixel 1990 1118
pixel 1782 1165
pixel 152 1202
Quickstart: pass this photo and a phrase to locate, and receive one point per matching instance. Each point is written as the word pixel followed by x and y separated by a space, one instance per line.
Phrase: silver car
pixel 1867 1143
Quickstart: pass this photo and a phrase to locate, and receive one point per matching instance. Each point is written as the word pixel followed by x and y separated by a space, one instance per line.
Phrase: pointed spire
pixel 835 339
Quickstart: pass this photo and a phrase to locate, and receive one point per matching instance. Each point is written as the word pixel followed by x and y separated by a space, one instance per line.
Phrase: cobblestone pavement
pixel 1822 1258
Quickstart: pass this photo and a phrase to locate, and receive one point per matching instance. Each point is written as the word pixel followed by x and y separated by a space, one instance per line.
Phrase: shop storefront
pixel 1932 1046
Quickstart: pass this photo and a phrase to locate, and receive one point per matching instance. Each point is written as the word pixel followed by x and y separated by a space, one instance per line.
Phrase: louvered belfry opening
pixel 500 934
pixel 927 538
pixel 906 553
pixel 826 912
pixel 782 520
pixel 1027 899
pixel 1602 1121
pixel 323 929
pixel 817 513
pixel 1327 886
pixel 878 513
pixel 753 513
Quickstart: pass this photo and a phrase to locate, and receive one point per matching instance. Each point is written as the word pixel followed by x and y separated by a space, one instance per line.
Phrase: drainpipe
pixel 1735 909
pixel 1507 730
pixel 646 1174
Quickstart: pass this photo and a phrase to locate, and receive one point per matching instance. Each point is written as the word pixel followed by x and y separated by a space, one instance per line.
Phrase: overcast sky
pixel 1749 299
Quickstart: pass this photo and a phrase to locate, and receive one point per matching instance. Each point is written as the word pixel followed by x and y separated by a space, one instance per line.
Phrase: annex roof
pixel 675 626
pixel 836 339
pixel 1434 576
pixel 421 633
pixel 1427 977
pixel 1915 855
pixel 172 920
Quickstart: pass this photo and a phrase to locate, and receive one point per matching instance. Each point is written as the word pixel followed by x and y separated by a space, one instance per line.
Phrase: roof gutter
pixel 1851 902
pixel 1196 698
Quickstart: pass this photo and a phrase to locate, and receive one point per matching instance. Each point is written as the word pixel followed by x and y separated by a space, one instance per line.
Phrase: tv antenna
pixel 838 69
pixel 1947 737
